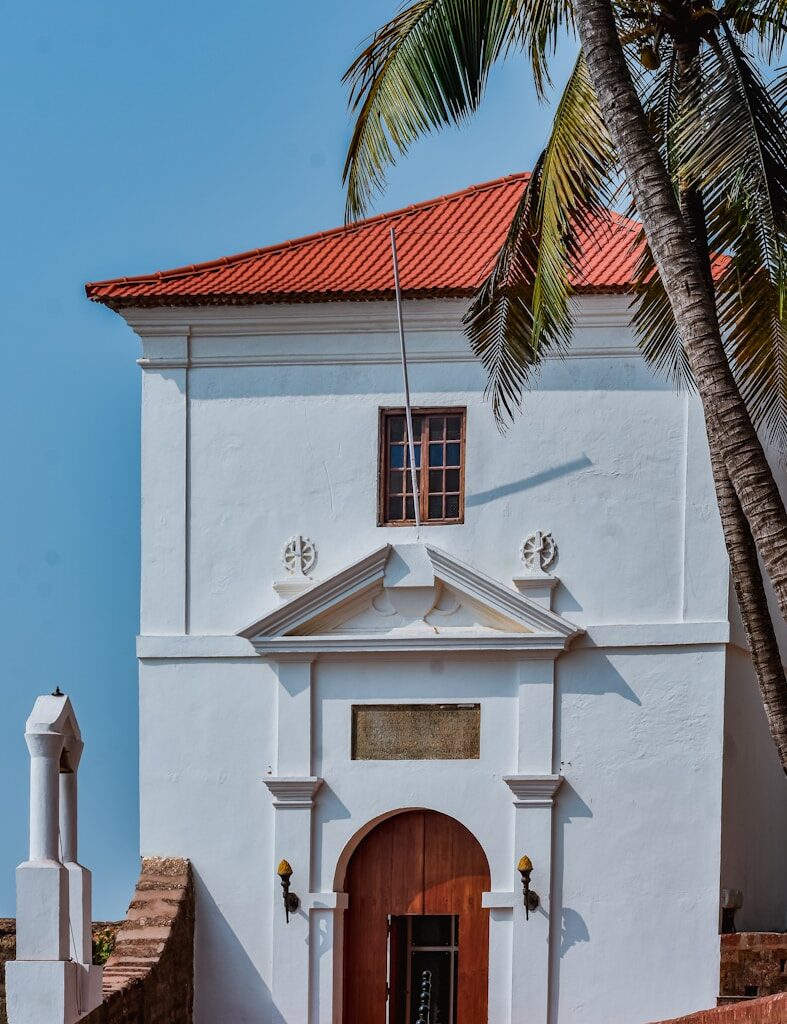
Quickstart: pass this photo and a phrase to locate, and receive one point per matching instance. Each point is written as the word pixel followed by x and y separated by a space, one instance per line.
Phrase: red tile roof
pixel 446 247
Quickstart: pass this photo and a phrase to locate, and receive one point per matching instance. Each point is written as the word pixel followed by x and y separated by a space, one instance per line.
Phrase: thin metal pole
pixel 407 409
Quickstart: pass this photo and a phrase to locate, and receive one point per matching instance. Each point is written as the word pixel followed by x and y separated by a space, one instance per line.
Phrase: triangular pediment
pixel 410 597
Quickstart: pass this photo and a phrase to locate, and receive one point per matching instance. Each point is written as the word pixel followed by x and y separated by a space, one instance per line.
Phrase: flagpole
pixel 408 410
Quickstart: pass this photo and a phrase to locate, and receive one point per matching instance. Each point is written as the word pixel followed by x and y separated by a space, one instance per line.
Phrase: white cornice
pixel 523 645
pixel 655 634
pixel 293 791
pixel 363 358
pixel 533 790
pixel 295 318
pixel 347 318
pixel 607 636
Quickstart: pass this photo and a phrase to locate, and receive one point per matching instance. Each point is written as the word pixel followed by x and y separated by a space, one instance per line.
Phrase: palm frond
pixel 735 151
pixel 428 67
pixel 537 31
pixel 654 322
pixel 500 320
pixel 763 22
pixel 522 310
pixel 424 69
pixel 652 318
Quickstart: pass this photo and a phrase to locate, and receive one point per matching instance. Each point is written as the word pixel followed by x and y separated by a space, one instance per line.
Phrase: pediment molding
pixel 411 597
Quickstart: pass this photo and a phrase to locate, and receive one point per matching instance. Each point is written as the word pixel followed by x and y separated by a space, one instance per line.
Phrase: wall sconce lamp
pixel 291 901
pixel 532 899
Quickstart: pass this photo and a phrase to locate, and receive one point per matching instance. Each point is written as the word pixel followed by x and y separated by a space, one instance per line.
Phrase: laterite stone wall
pixel 149 977
pixel 770 1010
pixel 7 952
pixel 753 964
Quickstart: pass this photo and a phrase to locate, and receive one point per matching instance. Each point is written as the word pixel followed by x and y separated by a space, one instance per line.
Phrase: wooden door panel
pixel 438 864
pixel 417 862
pixel 406 844
pixel 369 881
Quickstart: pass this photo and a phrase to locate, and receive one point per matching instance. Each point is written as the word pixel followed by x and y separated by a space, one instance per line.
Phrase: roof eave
pixel 121 302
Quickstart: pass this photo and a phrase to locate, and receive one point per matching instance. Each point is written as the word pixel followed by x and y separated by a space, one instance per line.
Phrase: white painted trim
pixel 322 596
pixel 522 644
pixel 597 311
pixel 533 790
pixel 499 900
pixel 606 635
pixel 325 901
pixel 366 358
pixel 194 646
pixel 502 598
pixel 272 635
pixel 293 791
pixel 655 634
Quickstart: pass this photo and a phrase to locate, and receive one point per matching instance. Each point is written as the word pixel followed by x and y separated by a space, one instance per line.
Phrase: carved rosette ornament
pixel 300 556
pixel 539 551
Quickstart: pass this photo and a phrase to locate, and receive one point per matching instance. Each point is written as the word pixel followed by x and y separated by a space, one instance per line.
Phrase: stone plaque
pixel 416 732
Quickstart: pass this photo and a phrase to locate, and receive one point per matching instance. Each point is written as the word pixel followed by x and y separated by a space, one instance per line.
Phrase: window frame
pixel 385 413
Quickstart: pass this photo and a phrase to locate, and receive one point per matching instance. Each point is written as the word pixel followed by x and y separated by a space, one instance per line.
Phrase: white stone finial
pixel 52 980
pixel 539 551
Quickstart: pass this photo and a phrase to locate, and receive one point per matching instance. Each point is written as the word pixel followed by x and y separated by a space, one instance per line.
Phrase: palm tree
pixel 671 95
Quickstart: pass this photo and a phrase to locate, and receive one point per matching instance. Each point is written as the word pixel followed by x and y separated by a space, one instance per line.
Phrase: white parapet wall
pixel 53 979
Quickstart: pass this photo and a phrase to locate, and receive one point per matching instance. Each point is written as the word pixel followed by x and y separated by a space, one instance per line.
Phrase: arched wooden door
pixel 414 864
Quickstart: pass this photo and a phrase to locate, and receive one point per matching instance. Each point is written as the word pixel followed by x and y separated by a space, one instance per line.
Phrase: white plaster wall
pixel 636 842
pixel 275 452
pixel 637 834
pixel 206 741
pixel 754 823
pixel 279 441
pixel 471 791
pixel 278 436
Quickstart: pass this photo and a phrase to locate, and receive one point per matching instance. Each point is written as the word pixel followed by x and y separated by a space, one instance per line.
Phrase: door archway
pixel 414 884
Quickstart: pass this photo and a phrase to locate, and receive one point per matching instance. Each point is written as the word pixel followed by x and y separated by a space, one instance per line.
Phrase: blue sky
pixel 137 137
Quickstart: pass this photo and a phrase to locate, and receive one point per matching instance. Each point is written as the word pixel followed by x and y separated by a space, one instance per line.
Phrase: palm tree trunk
pixel 750 591
pixel 728 425
pixel 744 564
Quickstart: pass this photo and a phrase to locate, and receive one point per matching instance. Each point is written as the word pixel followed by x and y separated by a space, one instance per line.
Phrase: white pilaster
pixel 533 789
pixel 533 802
pixel 536 715
pixel 293 789
pixel 326 934
pixel 164 525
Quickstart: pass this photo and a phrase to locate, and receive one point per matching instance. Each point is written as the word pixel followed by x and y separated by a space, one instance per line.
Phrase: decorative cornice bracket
pixel 293 791
pixel 533 790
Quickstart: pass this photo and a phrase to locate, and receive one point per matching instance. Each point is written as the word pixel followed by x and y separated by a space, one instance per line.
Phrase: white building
pixel 401 715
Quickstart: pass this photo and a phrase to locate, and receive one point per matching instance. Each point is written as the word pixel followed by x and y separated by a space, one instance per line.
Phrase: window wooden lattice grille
pixel 439 439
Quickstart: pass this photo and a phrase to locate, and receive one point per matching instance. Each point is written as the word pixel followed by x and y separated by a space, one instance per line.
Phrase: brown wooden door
pixel 418 862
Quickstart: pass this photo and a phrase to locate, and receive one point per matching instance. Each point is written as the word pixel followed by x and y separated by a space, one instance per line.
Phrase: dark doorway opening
pixel 417 944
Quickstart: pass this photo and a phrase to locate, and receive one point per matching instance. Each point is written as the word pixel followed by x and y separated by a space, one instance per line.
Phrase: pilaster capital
pixel 44 743
pixel 293 791
pixel 533 790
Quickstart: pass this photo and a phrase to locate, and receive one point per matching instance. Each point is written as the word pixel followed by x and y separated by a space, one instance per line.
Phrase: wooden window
pixel 439 439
